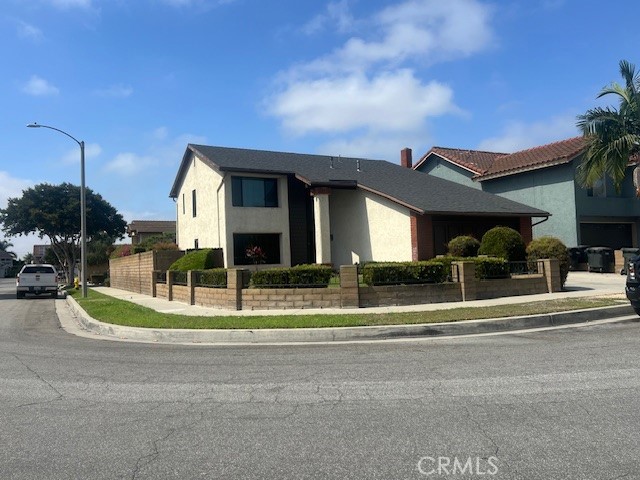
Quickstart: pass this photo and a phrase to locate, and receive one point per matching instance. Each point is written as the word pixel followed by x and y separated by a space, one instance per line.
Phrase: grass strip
pixel 121 312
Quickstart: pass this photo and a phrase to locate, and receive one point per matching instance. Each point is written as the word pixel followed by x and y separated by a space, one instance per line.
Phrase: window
pixel 254 192
pixel 195 244
pixel 183 205
pixel 269 243
pixel 193 203
pixel 598 189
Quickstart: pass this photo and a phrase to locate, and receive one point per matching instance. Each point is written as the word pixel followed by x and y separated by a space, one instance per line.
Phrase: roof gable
pixel 475 161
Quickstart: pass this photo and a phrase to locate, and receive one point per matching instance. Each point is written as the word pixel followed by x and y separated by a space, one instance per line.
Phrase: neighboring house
pixel 141 230
pixel 544 177
pixel 39 252
pixel 6 262
pixel 301 208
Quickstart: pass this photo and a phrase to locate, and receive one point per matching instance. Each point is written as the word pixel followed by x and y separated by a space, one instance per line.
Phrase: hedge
pixel 398 273
pixel 203 259
pixel 214 277
pixel 299 276
pixel 503 242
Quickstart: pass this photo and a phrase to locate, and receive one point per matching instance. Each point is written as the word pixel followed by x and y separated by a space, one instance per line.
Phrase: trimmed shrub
pixel 203 259
pixel 489 268
pixel 446 261
pixel 300 276
pixel 398 273
pixel 214 277
pixel 316 275
pixel 503 242
pixel 550 247
pixel 463 246
pixel 164 246
pixel 138 249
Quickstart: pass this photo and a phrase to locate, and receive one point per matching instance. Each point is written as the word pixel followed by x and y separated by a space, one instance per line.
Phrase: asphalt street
pixel 558 404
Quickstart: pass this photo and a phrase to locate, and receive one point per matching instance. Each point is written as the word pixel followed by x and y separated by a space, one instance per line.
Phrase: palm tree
pixel 613 135
pixel 5 245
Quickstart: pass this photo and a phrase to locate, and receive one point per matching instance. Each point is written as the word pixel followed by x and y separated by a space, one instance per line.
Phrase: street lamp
pixel 83 208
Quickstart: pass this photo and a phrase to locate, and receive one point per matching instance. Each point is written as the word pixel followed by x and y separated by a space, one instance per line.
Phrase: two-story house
pixel 544 177
pixel 301 208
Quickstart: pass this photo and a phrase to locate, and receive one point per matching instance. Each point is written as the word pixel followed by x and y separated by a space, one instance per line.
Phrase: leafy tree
pixel 53 211
pixel 613 134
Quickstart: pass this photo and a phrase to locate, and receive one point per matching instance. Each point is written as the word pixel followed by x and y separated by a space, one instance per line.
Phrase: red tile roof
pixel 474 160
pixel 488 165
pixel 538 157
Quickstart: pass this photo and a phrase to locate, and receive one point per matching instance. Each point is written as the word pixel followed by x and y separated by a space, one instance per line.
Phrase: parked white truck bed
pixel 39 279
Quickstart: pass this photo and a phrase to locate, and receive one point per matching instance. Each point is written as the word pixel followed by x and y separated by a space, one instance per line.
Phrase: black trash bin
pixel 600 259
pixel 577 256
pixel 627 255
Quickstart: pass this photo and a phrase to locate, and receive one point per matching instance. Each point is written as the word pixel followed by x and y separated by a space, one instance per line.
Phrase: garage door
pixel 613 235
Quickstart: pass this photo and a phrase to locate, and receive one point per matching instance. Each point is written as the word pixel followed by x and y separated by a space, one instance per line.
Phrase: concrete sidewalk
pixel 580 284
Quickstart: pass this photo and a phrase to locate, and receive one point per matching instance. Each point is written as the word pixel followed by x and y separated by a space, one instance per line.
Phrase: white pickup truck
pixel 39 279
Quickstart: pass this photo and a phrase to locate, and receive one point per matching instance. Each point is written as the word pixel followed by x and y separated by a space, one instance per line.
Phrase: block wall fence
pixel 350 294
pixel 134 272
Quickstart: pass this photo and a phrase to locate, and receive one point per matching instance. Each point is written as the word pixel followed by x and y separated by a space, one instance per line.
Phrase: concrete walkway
pixel 580 284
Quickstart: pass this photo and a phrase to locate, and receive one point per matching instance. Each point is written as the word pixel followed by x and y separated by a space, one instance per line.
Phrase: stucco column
pixel 322 224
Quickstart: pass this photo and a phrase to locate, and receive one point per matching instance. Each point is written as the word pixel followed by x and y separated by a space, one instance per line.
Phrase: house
pixel 545 178
pixel 301 208
pixel 141 230
pixel 6 262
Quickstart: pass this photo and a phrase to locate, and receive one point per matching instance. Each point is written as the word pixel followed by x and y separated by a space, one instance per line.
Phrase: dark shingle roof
pixel 416 190
pixel 152 226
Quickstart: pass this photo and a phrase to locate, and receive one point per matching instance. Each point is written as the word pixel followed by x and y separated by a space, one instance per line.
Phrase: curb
pixel 345 334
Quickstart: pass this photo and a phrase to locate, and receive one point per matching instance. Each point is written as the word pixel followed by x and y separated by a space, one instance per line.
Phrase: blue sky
pixel 139 79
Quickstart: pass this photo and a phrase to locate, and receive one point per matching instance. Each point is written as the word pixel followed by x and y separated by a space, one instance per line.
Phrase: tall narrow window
pixel 183 205
pixel 195 244
pixel 193 203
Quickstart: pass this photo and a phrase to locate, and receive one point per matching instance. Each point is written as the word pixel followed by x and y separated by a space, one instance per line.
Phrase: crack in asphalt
pixel 39 377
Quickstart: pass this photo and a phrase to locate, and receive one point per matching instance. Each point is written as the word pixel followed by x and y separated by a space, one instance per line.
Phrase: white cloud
pixel 29 32
pixel 391 101
pixel 129 164
pixel 337 15
pixel 369 85
pixel 72 157
pixel 376 146
pixel 519 135
pixel 37 86
pixel 116 91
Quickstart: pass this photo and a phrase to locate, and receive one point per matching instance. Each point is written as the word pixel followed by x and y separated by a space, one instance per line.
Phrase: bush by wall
pixel 299 276
pixel 550 247
pixel 463 246
pixel 214 277
pixel 203 259
pixel 489 268
pixel 121 251
pixel 503 242
pixel 398 273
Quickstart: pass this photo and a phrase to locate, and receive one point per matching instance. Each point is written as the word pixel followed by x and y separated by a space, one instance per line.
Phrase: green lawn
pixel 111 310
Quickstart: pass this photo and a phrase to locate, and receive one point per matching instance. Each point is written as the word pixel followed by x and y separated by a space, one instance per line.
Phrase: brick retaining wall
pixel 352 295
pixel 133 272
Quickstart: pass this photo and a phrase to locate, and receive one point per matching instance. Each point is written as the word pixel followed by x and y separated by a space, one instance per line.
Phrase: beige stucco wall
pixel 208 226
pixel 366 226
pixel 259 220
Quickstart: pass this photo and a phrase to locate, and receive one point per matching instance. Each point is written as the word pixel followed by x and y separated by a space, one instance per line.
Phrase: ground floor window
pixel 250 248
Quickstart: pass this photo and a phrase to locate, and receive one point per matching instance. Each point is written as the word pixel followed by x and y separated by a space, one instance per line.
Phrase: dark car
pixel 632 288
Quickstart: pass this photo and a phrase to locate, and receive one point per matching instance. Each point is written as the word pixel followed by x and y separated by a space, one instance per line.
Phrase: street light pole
pixel 83 208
